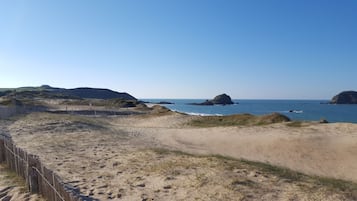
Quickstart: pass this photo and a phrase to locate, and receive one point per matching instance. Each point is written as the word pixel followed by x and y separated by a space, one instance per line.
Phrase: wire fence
pixel 39 179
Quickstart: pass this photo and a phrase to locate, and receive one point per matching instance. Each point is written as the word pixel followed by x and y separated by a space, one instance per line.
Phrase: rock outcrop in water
pixel 222 99
pixel 346 97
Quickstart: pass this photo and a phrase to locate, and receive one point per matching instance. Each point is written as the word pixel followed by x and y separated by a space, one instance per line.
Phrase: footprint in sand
pixel 116 164
pixel 103 186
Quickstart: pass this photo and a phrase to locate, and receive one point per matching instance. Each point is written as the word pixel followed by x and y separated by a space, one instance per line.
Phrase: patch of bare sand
pixel 110 159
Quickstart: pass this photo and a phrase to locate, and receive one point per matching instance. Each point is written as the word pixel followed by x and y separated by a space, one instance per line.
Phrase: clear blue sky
pixel 271 49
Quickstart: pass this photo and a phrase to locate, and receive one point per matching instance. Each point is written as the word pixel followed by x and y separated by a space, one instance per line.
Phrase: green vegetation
pixel 162 151
pixel 109 103
pixel 294 124
pixel 346 186
pixel 277 171
pixel 10 102
pixel 46 91
pixel 6 89
pixel 36 94
pixel 21 89
pixel 238 120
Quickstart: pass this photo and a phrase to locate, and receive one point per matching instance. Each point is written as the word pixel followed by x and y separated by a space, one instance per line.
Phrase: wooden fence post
pixel 2 150
pixel 16 159
pixel 33 174
pixel 9 155
pixel 68 195
pixel 41 182
pixel 23 163
pixel 48 174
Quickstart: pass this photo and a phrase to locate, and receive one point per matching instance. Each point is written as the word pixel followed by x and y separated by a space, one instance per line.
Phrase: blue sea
pixel 309 110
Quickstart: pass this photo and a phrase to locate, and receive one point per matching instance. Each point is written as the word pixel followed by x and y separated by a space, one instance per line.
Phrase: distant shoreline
pixel 299 110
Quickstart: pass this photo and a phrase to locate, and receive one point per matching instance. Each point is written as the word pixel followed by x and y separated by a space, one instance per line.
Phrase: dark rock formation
pixel 164 103
pixel 159 103
pixel 207 102
pixel 346 97
pixel 323 121
pixel 222 99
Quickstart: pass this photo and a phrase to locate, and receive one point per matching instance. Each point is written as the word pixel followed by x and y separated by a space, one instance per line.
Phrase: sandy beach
pixel 164 157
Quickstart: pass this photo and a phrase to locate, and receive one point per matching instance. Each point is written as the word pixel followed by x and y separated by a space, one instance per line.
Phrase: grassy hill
pixel 46 91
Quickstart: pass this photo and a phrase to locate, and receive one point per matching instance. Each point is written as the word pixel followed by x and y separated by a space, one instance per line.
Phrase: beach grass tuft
pixel 296 124
pixel 11 177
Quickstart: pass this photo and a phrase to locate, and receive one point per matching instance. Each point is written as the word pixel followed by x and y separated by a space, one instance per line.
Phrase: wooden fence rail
pixel 39 179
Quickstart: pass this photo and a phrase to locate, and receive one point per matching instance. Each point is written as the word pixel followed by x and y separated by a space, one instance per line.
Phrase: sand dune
pixel 124 157
pixel 324 150
pixel 320 149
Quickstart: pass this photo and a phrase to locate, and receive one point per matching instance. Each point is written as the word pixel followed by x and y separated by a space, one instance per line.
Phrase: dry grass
pixel 238 120
pixel 13 187
pixel 11 177
pixel 298 124
pixel 109 103
pixel 349 189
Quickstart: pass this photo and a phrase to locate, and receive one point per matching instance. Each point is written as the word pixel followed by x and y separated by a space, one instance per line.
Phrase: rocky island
pixel 222 99
pixel 346 97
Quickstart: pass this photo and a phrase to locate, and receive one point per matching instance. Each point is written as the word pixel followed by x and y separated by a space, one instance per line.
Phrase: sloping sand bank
pixel 320 149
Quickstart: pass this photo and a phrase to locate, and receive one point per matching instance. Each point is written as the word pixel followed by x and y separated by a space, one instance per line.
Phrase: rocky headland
pixel 46 91
pixel 346 97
